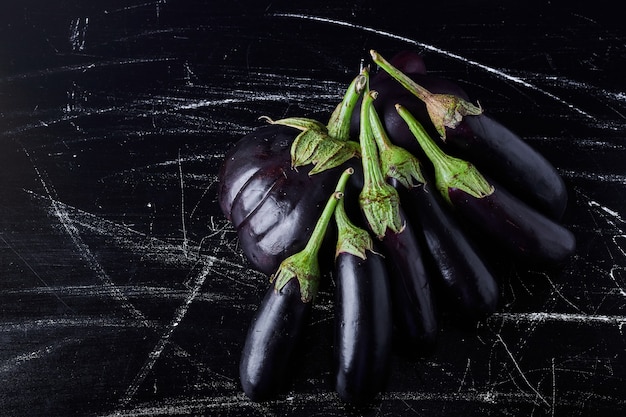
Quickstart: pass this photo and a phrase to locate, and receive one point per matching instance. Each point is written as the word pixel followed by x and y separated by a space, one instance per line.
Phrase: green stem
pixel 396 162
pixel 445 110
pixel 339 122
pixel 379 200
pixel 304 265
pixel 351 238
pixel 419 91
pixel 450 172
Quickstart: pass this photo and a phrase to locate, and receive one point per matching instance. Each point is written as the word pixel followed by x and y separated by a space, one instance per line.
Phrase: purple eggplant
pixel 267 356
pixel 415 315
pixel 414 310
pixel 444 108
pixel 272 338
pixel 363 318
pixel 466 278
pixel 263 176
pixel 507 220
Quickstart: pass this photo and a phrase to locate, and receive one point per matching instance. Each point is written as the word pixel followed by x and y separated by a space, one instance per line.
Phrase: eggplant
pixel 490 208
pixel 277 328
pixel 414 311
pixel 363 318
pixel 262 196
pixel 466 278
pixel 272 338
pixel 263 175
pixel 470 135
pixel 363 327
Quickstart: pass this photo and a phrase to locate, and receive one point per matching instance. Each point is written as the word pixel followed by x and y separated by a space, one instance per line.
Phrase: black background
pixel 122 287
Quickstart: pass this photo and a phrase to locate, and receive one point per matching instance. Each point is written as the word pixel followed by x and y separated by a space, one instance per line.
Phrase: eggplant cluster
pixel 399 182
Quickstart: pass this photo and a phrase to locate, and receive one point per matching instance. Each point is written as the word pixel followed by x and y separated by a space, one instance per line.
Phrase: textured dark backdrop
pixel 122 287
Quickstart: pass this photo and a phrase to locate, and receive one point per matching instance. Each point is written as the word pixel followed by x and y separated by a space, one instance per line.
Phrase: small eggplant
pixel 472 135
pixel 415 314
pixel 280 321
pixel 497 213
pixel 414 310
pixel 363 318
pixel 271 340
pixel 466 278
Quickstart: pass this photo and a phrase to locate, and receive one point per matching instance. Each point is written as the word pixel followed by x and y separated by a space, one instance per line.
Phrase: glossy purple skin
pixel 414 309
pixel 363 327
pixel 466 278
pixel 493 148
pixel 511 223
pixel 273 207
pixel 272 338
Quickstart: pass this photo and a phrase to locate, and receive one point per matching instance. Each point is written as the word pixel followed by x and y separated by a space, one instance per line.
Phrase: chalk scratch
pixel 498 73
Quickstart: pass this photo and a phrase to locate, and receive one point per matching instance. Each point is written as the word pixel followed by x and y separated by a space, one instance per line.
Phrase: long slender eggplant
pixel 491 208
pixel 414 309
pixel 275 331
pixel 474 136
pixel 466 278
pixel 363 318
pixel 263 175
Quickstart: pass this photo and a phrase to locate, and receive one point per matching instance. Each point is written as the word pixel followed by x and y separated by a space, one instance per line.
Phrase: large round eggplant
pixel 263 196
pixel 471 135
pixel 466 278
pixel 271 341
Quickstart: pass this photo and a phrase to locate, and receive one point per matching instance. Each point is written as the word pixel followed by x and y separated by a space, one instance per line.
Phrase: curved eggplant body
pixel 492 147
pixel 271 341
pixel 510 222
pixel 465 276
pixel 413 303
pixel 273 207
pixel 363 327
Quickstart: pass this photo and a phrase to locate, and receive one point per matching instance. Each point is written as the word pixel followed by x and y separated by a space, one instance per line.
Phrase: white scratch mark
pixel 14 363
pixel 519 369
pixel 182 204
pixel 553 389
pixel 543 317
pixel 78 33
pixel 494 71
pixel 156 352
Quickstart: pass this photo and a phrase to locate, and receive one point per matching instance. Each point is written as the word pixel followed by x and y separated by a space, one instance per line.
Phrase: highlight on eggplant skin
pixel 262 196
pixel 272 338
pixel 508 221
pixel 363 327
pixel 467 279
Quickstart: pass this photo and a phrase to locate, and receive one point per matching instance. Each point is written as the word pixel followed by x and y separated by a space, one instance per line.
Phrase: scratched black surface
pixel 122 288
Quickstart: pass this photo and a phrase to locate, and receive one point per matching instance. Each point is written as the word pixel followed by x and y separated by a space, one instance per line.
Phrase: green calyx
pixel 351 238
pixel 378 199
pixel 445 110
pixel 395 161
pixel 304 265
pixel 450 172
pixel 327 146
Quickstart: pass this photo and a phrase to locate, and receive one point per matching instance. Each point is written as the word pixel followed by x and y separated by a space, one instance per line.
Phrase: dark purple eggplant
pixel 443 107
pixel 363 318
pixel 466 278
pixel 262 196
pixel 414 311
pixel 267 355
pixel 507 220
pixel 260 188
pixel 272 338
pixel 415 315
